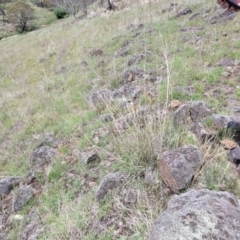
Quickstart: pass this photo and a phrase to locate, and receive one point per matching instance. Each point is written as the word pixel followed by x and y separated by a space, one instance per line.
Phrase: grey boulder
pixel 177 167
pixel 7 184
pixel 199 214
pixel 22 197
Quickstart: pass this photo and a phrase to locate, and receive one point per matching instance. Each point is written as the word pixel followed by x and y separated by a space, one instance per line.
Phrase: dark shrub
pixel 60 13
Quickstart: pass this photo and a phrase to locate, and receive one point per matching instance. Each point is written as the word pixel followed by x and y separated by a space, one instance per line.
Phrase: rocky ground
pixel 154 153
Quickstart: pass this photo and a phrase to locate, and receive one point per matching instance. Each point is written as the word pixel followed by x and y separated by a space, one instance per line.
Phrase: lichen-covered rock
pixel 7 184
pixel 49 140
pixel 199 214
pixel 32 227
pixel 221 121
pixel 21 197
pixel 43 155
pixel 178 166
pixel 109 182
pixel 135 59
pixel 101 97
pixel 131 75
pixel 193 111
pixel 124 51
pixel 202 133
pixel 184 12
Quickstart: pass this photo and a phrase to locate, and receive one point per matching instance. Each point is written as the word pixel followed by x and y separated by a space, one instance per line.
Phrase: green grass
pixel 43 88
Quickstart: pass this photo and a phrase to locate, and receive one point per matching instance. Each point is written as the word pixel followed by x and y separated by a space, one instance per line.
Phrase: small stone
pixel 109 182
pixel 135 59
pixel 96 53
pixel 225 62
pixel 175 104
pixel 194 110
pixel 226 74
pixel 7 184
pixel 22 197
pixel 184 12
pixel 131 75
pixel 229 144
pixel 49 140
pixel 124 51
pixel 101 97
pixel 234 155
pixel 43 155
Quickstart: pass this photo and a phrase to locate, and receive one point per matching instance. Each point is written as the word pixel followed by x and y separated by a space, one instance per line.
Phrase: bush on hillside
pixel 19 13
pixel 60 13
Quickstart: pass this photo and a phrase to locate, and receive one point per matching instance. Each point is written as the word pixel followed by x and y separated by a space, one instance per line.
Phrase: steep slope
pixel 83 99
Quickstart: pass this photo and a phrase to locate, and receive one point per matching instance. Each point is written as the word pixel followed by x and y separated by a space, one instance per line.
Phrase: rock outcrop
pixel 178 166
pixel 199 214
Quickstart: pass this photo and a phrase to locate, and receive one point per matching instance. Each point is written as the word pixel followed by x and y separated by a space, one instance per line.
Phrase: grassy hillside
pixel 45 87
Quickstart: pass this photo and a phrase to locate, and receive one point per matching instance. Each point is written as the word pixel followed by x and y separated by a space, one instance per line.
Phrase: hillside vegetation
pixel 49 80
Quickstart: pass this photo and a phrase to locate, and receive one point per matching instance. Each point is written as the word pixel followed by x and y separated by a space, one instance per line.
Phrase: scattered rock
pixel 130 197
pixel 170 8
pixel 226 74
pixel 178 166
pixel 221 121
pixel 49 140
pixel 7 184
pixel 123 52
pixel 235 113
pixel 194 16
pixel 234 155
pixel 32 231
pixel 184 12
pixel 128 91
pixel 229 144
pixel 131 74
pixel 121 124
pixel 109 182
pixel 21 197
pixel 234 128
pixel 199 214
pixel 203 134
pixel 33 228
pixel 89 157
pixel 193 110
pixel 223 17
pixel 43 155
pixel 107 117
pixel 96 53
pixel 126 43
pixel 225 62
pixel 101 97
pixel 135 59
pixel 84 64
pixel 175 104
